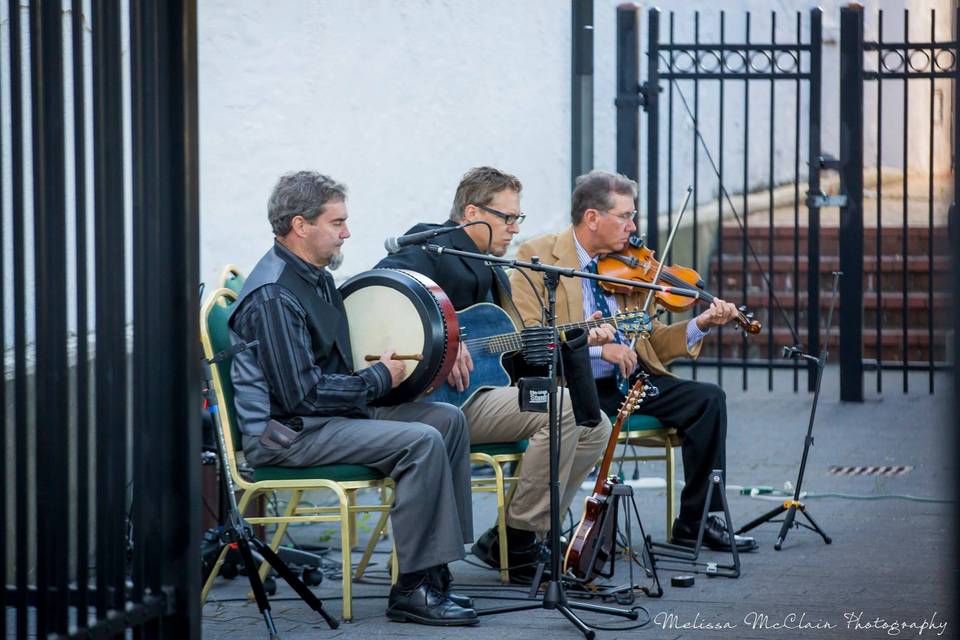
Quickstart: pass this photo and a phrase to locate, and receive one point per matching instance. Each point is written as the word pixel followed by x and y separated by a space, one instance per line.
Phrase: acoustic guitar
pixel 489 333
pixel 594 538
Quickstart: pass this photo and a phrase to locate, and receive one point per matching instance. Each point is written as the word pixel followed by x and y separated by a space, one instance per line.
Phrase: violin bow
pixel 663 254
pixel 736 215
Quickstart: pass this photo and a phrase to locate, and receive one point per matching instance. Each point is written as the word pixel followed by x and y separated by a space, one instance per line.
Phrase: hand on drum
pixel 460 374
pixel 397 368
pixel 601 335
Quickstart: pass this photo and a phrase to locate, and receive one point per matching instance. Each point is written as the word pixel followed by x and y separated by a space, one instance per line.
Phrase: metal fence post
pixel 851 215
pixel 582 82
pixel 651 104
pixel 628 97
pixel 813 183
pixel 49 221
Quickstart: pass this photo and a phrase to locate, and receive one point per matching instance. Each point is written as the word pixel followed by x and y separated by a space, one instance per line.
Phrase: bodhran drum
pixel 406 311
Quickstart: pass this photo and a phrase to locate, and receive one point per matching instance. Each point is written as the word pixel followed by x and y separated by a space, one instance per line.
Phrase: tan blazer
pixel 666 342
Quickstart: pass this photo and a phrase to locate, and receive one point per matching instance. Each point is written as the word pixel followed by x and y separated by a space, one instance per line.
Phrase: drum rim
pixel 436 339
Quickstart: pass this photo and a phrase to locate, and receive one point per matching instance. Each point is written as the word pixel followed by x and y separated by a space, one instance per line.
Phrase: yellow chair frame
pixel 345 491
pixel 230 278
pixel 665 438
pixel 497 484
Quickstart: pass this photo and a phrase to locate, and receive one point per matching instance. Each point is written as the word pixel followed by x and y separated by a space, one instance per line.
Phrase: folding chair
pixel 343 480
pixel 496 455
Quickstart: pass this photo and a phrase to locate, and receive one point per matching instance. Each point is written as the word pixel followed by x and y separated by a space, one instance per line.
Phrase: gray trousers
pixel 424 447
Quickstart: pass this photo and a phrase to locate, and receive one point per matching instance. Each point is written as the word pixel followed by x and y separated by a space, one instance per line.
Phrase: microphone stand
pixel 555 596
pixel 794 505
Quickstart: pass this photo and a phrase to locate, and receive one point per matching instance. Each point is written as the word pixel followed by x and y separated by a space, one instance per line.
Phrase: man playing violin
pixel 491 196
pixel 602 215
pixel 299 402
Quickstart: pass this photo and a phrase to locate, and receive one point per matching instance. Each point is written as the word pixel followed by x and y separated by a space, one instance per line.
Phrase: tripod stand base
pixel 790 507
pixel 555 598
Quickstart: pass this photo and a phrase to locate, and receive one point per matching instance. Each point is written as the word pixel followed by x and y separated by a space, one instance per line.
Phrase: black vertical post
pixel 49 207
pixel 109 307
pixel 851 215
pixel 146 223
pixel 581 121
pixel 652 107
pixel 905 208
pixel 166 345
pixel 83 368
pixel 628 86
pixel 813 182
pixel 796 203
pixel 745 210
pixel 21 416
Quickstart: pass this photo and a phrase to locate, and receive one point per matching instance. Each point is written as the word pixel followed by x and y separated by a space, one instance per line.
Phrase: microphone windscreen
pixel 579 378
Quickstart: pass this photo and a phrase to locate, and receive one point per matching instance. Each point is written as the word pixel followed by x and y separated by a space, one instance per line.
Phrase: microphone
pixel 793 352
pixel 393 245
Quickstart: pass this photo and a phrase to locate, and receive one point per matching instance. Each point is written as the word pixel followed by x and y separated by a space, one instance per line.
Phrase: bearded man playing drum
pixel 602 215
pixel 300 403
pixel 488 195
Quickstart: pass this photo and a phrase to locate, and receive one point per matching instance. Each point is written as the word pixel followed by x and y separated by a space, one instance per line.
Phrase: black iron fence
pixel 732 106
pixel 102 525
pixel 906 284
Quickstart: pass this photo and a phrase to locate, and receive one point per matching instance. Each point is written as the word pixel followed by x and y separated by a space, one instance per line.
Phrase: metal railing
pixel 907 67
pixel 105 519
pixel 734 108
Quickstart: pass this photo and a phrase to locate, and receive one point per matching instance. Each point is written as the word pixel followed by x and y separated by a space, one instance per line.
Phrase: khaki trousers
pixel 494 416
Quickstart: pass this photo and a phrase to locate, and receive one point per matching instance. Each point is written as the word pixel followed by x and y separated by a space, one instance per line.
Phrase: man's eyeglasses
pixel 508 218
pixel 623 218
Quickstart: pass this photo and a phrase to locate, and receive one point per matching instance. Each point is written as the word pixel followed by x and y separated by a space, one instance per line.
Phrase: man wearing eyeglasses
pixel 491 197
pixel 602 215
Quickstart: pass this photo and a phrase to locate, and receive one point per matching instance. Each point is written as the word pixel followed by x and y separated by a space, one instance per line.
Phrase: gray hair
pixel 301 193
pixel 480 186
pixel 595 190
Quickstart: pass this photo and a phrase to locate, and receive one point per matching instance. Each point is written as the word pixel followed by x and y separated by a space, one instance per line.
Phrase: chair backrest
pixel 232 278
pixel 215 336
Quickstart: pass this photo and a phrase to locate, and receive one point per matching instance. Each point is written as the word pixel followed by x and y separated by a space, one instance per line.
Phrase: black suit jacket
pixel 465 281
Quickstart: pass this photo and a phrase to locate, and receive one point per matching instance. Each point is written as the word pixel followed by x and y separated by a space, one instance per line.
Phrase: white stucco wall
pixel 395 99
pixel 398 99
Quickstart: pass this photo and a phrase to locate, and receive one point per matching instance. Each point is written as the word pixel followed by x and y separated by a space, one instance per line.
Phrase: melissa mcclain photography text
pixel 852 621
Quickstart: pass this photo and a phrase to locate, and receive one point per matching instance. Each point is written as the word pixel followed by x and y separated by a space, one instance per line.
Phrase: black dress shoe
pixel 522 561
pixel 426 605
pixel 441 580
pixel 715 535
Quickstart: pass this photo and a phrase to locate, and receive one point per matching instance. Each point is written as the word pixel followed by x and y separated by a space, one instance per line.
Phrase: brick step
pixel 889 301
pixel 918 310
pixel 891 344
pixel 733 352
pixel 733 263
pixel 891 240
pixel 891 283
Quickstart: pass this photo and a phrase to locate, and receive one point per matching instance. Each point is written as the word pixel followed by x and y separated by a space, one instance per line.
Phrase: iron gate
pixel 911 257
pixel 103 522
pixel 737 103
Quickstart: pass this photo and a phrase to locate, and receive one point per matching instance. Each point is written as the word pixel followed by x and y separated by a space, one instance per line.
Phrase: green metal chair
pixel 231 278
pixel 343 480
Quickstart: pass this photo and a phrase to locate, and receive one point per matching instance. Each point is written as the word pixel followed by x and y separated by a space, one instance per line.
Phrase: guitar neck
pixel 608 454
pixel 507 342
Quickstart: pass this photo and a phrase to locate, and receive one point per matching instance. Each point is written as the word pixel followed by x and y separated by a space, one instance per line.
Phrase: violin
pixel 638 262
